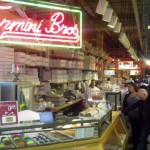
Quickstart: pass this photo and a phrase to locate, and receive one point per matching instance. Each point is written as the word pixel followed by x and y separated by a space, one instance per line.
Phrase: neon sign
pixel 58 30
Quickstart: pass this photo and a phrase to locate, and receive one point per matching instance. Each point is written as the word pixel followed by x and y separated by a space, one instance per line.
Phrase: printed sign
pixel 60 27
pixel 8 113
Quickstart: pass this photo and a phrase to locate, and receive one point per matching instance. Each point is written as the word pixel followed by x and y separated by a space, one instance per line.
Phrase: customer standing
pixel 130 99
pixel 143 106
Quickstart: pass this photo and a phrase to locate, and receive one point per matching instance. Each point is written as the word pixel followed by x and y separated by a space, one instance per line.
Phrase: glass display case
pixel 31 134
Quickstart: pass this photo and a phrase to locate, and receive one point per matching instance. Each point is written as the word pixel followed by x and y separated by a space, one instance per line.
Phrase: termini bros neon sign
pixel 57 31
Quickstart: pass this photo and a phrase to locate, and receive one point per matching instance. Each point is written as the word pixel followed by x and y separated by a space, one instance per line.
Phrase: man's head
pixel 142 93
pixel 93 83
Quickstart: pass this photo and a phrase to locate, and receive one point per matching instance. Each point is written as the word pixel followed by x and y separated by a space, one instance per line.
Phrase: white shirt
pixel 88 95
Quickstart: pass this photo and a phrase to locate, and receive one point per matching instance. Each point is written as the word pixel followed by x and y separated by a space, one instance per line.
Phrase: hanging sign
pixel 8 113
pixel 58 27
pixel 125 65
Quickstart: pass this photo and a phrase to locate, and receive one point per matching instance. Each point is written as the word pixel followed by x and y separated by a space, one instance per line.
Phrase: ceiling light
pixel 148 27
pixel 113 21
pixel 101 7
pixel 107 15
pixel 117 27
pixel 122 37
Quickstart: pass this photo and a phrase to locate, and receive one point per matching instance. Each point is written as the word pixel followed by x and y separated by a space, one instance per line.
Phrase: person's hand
pixel 126 118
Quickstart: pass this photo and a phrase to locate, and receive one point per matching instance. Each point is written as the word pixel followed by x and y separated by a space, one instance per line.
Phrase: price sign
pixel 8 113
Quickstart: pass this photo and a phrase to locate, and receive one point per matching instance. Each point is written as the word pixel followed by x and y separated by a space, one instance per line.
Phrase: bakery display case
pixel 68 129
pixel 67 134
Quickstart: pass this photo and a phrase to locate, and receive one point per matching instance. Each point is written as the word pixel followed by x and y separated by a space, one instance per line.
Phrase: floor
pixel 129 146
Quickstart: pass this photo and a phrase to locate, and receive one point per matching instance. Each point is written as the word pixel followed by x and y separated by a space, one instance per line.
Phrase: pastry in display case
pixel 6 142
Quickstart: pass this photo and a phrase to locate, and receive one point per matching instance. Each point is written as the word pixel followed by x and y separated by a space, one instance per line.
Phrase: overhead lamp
pixel 122 37
pixel 113 21
pixel 117 27
pixel 107 15
pixel 101 7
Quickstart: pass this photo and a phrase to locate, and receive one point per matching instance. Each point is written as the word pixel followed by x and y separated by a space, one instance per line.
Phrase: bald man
pixel 144 116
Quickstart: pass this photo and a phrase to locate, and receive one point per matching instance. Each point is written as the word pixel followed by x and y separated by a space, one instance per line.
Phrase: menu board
pixel 8 113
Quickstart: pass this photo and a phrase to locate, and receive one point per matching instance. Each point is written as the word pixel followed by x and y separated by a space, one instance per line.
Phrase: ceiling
pixel 133 14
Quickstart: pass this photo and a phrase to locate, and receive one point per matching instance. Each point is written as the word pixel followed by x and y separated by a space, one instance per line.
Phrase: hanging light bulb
pixel 117 27
pixel 107 15
pixel 113 21
pixel 101 7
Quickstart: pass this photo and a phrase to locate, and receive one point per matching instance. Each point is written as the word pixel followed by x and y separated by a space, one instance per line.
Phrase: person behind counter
pixel 92 89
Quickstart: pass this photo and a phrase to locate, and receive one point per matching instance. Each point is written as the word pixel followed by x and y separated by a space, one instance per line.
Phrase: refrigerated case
pixel 14 91
pixel 68 134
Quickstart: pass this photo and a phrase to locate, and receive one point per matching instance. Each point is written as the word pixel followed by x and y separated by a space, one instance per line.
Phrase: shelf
pixel 66 58
pixel 66 82
pixel 89 53
pixel 56 109
pixel 64 68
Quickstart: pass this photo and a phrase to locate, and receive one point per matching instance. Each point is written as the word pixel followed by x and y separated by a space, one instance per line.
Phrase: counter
pixel 115 136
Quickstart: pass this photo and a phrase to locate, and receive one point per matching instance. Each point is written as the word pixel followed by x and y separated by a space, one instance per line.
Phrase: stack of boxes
pixel 74 75
pixel 79 65
pixel 59 76
pixel 90 63
pixel 6 61
pixel 79 55
pixel 78 62
pixel 63 53
pixel 20 58
pixel 32 75
pixel 57 63
pixel 87 75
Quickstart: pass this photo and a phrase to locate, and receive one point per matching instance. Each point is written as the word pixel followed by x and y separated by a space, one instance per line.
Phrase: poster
pixel 8 113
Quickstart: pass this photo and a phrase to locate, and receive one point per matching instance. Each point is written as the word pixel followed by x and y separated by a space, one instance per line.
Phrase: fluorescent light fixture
pixel 148 27
pixel 107 15
pixel 113 21
pixel 117 27
pixel 101 7
pixel 122 37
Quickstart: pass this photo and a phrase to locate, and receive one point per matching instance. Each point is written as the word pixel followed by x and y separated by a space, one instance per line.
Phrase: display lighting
pixel 113 21
pixel 5 7
pixel 101 7
pixel 124 40
pixel 122 37
pixel 107 15
pixel 55 34
pixel 148 27
pixel 117 28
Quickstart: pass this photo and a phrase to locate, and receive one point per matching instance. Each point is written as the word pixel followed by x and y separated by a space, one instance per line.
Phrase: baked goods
pixel 41 138
pixel 21 140
pixel 6 142
pixel 90 112
pixel 60 136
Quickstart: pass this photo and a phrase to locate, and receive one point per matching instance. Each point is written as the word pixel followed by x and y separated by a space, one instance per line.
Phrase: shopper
pixel 130 99
pixel 92 89
pixel 144 115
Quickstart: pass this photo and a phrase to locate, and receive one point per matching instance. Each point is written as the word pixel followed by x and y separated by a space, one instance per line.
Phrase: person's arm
pixel 130 108
pixel 125 104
